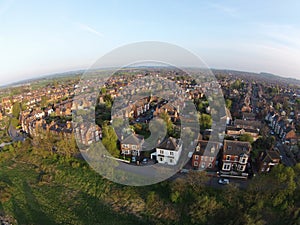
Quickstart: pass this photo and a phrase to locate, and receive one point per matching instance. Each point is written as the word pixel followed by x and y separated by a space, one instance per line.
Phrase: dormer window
pixel 243 158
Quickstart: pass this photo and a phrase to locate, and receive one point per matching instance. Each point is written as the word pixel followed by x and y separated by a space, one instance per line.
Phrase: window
pixel 126 152
pixel 171 161
pixel 161 159
pixel 229 147
pixel 228 157
pixel 203 165
pixel 226 166
pixel 196 163
pixel 212 150
pixel 209 165
pixel 161 152
pixel 198 148
pixel 243 158
pixel 133 147
pixel 236 158
pixel 241 168
pixel 125 146
pixel 205 158
pixel 196 157
pixel 211 159
pixel 171 153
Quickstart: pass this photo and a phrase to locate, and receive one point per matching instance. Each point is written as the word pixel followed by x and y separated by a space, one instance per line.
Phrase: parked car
pixel 133 159
pixel 223 181
pixel 145 161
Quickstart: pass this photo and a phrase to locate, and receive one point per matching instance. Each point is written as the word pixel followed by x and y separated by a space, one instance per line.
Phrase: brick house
pixel 235 156
pixel 205 155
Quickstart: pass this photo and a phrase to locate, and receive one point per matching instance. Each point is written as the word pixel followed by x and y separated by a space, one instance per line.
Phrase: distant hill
pixel 271 78
pixel 260 76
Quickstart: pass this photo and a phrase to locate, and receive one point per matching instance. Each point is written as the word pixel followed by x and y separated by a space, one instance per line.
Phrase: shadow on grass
pixel 30 212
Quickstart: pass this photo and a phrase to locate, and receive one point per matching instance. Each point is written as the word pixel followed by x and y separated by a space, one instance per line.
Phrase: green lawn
pixel 32 197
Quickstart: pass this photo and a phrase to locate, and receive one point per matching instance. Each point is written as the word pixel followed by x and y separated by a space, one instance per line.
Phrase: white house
pixel 169 151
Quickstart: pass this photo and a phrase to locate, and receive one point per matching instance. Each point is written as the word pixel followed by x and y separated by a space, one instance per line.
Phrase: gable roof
pixel 236 147
pixel 248 123
pixel 209 145
pixel 132 139
pixel 270 156
pixel 169 143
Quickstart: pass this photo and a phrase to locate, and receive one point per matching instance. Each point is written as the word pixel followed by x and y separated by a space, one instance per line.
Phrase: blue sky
pixel 44 37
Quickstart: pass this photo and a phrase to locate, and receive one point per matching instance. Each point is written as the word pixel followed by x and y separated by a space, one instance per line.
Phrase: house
pixel 267 160
pixel 141 106
pixel 247 124
pixel 169 151
pixel 85 134
pixel 289 136
pixel 235 132
pixel 205 155
pixel 235 157
pixel 132 145
pixel 248 116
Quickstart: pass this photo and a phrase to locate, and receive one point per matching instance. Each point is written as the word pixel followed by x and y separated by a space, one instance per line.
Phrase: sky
pixel 45 37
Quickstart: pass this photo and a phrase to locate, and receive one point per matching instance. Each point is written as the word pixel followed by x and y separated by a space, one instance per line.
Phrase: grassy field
pixel 41 188
pixel 36 194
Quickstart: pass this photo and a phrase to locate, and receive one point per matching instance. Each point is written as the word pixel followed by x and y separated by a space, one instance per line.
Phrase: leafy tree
pixel 170 126
pixel 246 137
pixel 228 103
pixel 203 207
pixel 14 122
pixel 103 91
pixel 16 110
pixel 110 140
pixel 205 121
pixel 44 101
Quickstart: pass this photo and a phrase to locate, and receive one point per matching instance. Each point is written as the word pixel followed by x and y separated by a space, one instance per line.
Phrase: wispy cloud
pixel 283 34
pixel 88 28
pixel 228 10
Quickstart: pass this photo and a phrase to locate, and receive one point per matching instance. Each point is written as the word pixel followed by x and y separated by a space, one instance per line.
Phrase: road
pixel 14 134
pixel 213 181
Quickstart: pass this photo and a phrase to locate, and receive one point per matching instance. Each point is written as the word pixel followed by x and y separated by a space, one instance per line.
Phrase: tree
pixel 44 101
pixel 205 121
pixel 170 126
pixel 14 122
pixel 246 137
pixel 110 140
pixel 16 110
pixel 228 103
pixel 202 208
pixel 103 91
